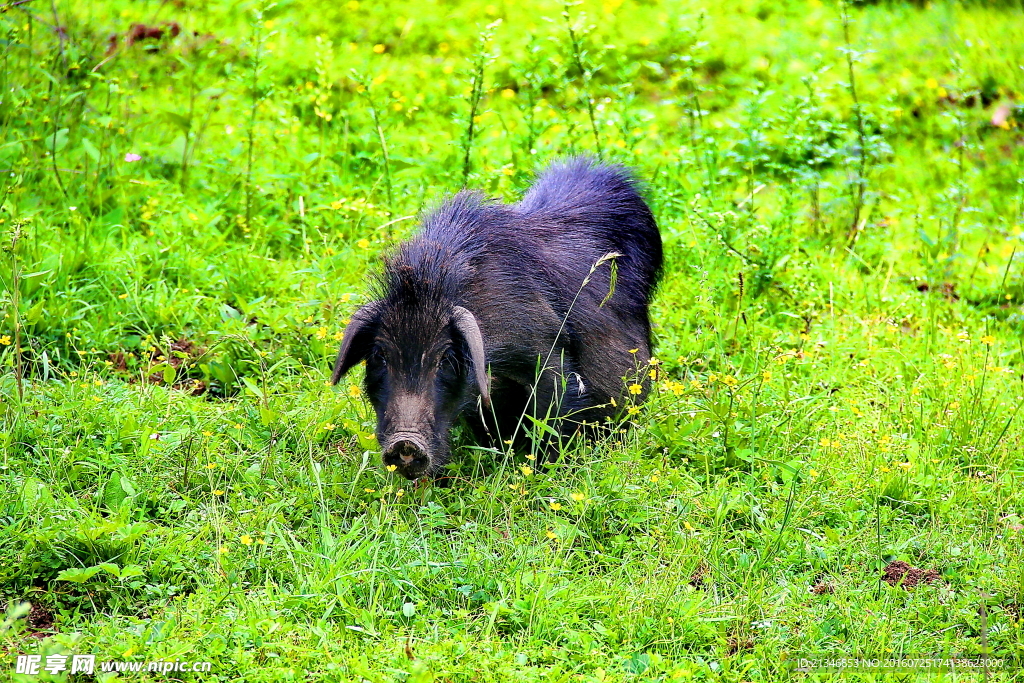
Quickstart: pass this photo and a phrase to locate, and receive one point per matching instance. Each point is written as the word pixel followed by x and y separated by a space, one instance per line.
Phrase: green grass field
pixel 188 220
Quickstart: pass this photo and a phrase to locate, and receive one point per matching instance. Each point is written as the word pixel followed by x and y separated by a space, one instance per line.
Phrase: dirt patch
pixel 181 351
pixel 946 289
pixel 823 588
pixel 699 576
pixel 738 644
pixel 1013 523
pixel 151 37
pixel 192 387
pixel 902 574
pixel 140 32
pixel 40 621
pixel 179 355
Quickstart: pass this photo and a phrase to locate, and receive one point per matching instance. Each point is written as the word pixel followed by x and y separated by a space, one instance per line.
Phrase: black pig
pixel 495 312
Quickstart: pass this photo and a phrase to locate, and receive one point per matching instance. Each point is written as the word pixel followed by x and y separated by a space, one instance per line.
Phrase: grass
pixel 190 219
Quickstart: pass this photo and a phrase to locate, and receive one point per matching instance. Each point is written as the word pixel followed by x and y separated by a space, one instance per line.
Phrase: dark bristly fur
pixel 498 281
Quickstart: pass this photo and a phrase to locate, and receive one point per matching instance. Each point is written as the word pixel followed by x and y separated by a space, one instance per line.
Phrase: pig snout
pixel 408 453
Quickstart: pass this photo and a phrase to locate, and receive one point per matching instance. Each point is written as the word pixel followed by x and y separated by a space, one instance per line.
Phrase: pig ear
pixel 465 323
pixel 357 339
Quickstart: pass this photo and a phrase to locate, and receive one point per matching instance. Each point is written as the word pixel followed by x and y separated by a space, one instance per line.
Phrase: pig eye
pixel 449 358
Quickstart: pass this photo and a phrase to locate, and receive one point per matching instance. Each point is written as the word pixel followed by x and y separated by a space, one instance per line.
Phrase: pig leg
pixel 563 403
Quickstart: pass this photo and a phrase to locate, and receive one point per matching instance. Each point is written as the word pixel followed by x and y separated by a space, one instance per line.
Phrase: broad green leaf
pixel 178 120
pixel 543 426
pixel 127 486
pixel 91 150
pixel 113 218
pixel 110 568
pixel 78 575
pixel 32 316
pixel 113 493
pixel 253 387
pixel 58 140
pixel 252 473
